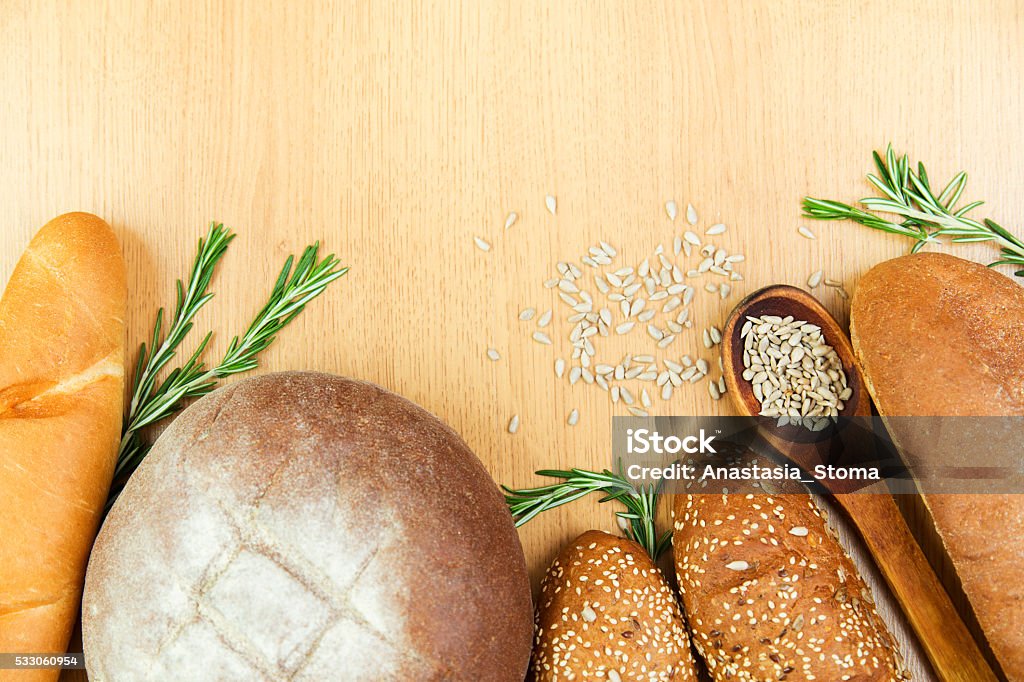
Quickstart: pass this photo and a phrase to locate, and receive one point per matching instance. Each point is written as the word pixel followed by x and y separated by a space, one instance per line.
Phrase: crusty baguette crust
pixel 605 610
pixel 61 395
pixel 937 335
pixel 771 595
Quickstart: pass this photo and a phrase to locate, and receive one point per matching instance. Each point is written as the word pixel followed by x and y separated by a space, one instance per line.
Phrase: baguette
pixel 940 336
pixel 61 395
pixel 606 612
pixel 771 595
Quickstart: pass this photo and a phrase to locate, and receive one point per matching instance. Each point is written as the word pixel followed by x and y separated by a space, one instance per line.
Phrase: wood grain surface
pixel 395 132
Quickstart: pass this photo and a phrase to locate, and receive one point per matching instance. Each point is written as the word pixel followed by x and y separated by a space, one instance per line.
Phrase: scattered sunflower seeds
pixel 493 354
pixel 511 219
pixel 804 232
pixel 654 295
pixel 482 244
pixel 815 279
pixel 513 424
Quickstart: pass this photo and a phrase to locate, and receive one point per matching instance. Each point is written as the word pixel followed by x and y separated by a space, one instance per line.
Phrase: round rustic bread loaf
pixel 302 526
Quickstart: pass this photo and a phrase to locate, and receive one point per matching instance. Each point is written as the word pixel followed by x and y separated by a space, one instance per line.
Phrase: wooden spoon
pixel 952 650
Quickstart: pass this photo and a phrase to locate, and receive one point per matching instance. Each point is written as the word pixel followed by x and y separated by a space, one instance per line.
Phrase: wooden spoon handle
pixel 952 650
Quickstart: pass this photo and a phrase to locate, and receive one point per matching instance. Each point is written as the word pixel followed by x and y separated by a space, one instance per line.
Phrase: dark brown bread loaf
pixel 302 526
pixel 770 595
pixel 940 336
pixel 607 613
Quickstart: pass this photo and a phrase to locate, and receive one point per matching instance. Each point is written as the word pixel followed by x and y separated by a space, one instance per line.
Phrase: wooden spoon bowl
pixel 784 300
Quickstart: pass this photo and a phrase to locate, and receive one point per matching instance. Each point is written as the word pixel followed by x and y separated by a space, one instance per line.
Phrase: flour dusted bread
pixel 770 594
pixel 940 336
pixel 61 385
pixel 607 613
pixel 302 526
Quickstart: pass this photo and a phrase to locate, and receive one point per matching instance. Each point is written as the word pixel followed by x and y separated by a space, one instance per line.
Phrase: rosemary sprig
pixel 152 402
pixel 641 505
pixel 919 212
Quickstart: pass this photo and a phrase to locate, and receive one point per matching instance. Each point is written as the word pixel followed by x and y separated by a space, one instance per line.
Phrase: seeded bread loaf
pixel 940 336
pixel 607 613
pixel 770 595
pixel 305 527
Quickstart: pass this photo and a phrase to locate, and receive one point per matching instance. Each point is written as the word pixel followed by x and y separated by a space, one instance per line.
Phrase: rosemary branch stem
pixel 151 402
pixel 927 216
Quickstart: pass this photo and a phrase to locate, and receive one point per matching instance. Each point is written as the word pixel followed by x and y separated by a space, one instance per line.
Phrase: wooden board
pixel 396 132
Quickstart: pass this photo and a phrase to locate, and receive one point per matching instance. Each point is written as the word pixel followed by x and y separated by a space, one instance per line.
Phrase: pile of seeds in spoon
pixel 795 374
pixel 602 297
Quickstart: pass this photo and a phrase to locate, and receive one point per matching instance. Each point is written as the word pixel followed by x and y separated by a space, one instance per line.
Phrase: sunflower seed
pixel 574 417
pixel 625 327
pixel 691 214
pixel 737 565
pixel 799 531
pixel 637 412
pixel 513 424
pixel 482 244
pixel 559 367
pixel 717 228
pixel 671 209
pixel 551 203
pixel 493 354
pixel 511 219
pixel 527 314
pixel 815 279
pixel 541 337
pixel 568 287
pixel 804 232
